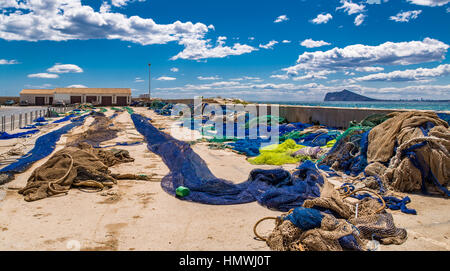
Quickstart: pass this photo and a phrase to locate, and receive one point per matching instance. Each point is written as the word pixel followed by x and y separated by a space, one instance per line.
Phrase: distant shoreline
pixel 394 105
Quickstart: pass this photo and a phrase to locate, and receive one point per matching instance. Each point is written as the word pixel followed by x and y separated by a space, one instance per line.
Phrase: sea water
pixel 435 106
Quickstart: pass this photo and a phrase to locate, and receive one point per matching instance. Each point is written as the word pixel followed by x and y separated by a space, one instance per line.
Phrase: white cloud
pixel 371 2
pixel 216 77
pixel 251 38
pixel 196 49
pixel 359 19
pixel 430 3
pixel 310 91
pixel 286 41
pixel 281 18
pixel 269 45
pixel 65 68
pixel 246 78
pixel 419 74
pixel 313 75
pixel 406 16
pixel 11 4
pixel 359 55
pixel 43 86
pixel 8 62
pixel 105 7
pixel 62 20
pixel 174 69
pixel 43 75
pixel 309 43
pixel 322 18
pixel 139 80
pixel 280 76
pixel 70 20
pixel 369 69
pixel 166 78
pixel 122 3
pixel 351 8
pixel 77 86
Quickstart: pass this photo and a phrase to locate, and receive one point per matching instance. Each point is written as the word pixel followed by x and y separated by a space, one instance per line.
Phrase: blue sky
pixel 285 50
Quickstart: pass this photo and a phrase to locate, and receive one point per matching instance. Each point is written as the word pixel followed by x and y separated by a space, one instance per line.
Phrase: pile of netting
pixel 349 153
pixel 254 137
pixel 411 152
pixel 100 130
pixel 85 106
pixel 161 108
pixel 331 222
pixel 264 119
pixel 43 147
pixel 276 189
pixel 82 167
pixel 405 152
pixel 288 152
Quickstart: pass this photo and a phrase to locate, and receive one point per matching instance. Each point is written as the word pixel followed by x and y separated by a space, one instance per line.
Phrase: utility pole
pixel 149 81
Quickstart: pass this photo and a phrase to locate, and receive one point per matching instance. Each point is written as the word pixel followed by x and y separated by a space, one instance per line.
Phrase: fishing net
pixel 268 119
pixel 5 135
pixel 371 120
pixel 43 146
pixel 444 116
pixel 330 223
pixel 278 154
pixel 349 152
pixel 249 147
pixel 100 130
pixel 276 189
pixel 66 118
pixel 82 166
pixel 412 152
pixel 161 108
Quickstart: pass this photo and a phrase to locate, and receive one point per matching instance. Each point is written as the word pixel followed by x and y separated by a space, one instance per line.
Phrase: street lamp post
pixel 149 81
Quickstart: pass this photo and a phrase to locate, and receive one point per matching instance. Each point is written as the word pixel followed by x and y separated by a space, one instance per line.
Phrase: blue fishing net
pixel 444 116
pixel 305 218
pixel 276 189
pixel 41 119
pixel 349 154
pixel 249 147
pixel 29 126
pixel 5 135
pixel 43 147
pixel 66 118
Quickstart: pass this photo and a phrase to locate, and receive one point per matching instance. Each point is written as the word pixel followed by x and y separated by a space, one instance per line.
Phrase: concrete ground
pixel 139 215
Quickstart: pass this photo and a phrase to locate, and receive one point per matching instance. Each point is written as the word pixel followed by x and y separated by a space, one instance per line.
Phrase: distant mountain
pixel 347 96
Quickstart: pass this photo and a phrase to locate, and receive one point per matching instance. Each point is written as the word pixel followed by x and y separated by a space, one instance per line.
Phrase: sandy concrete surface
pixel 139 215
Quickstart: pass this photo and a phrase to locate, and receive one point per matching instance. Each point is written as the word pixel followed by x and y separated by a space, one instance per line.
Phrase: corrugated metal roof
pixel 38 91
pixel 126 91
pixel 93 90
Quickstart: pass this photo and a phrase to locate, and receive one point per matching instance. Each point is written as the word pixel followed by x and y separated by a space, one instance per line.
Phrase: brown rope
pixel 259 221
pixel 277 219
pixel 98 186
pixel 51 183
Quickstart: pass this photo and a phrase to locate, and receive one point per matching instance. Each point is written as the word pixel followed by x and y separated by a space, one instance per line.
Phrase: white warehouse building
pixel 96 96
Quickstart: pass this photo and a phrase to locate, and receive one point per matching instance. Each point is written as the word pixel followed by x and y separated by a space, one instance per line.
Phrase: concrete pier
pixel 338 117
